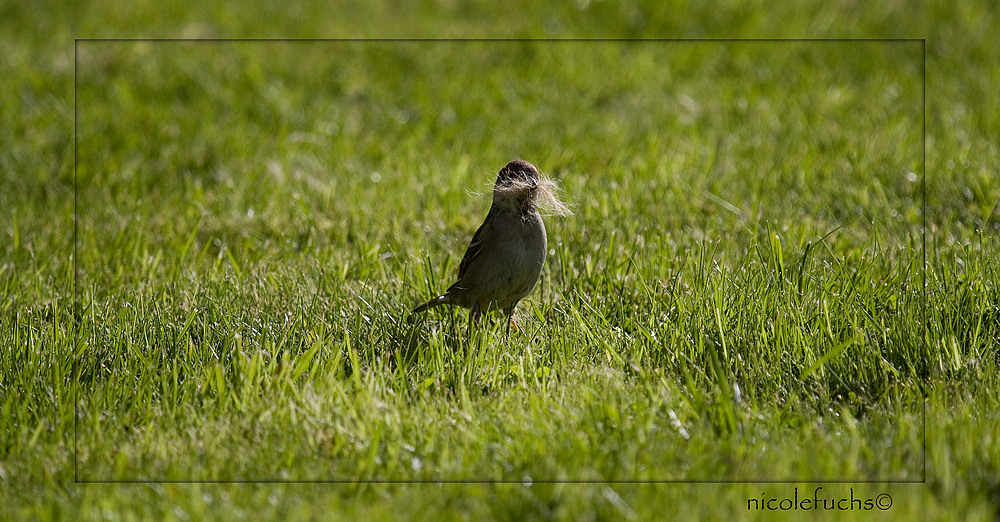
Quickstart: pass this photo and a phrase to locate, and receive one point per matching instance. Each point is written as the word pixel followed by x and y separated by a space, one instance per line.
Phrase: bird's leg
pixel 474 317
pixel 510 317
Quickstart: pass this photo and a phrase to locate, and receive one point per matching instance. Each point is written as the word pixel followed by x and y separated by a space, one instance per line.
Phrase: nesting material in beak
pixel 548 197
pixel 544 191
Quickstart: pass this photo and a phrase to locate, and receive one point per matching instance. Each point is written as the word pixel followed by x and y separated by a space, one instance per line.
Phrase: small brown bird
pixel 506 254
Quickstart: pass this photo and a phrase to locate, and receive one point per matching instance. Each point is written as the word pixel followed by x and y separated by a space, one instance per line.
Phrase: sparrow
pixel 506 254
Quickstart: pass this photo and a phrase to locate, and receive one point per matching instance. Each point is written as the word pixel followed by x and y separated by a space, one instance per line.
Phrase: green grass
pixel 737 299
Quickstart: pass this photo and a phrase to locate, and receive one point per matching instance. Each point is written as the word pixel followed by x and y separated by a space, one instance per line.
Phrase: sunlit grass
pixel 737 296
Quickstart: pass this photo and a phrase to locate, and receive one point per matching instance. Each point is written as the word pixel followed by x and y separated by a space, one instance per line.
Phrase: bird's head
pixel 517 186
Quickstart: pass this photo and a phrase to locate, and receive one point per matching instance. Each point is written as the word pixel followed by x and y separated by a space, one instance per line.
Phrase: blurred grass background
pixel 155 132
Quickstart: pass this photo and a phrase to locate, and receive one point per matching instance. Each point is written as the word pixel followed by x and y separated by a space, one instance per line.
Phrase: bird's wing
pixel 476 245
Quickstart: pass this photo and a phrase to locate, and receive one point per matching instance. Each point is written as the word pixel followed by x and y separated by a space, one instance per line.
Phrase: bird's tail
pixel 440 300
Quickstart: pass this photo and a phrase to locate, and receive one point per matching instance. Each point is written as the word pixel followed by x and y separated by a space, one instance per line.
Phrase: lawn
pixel 778 281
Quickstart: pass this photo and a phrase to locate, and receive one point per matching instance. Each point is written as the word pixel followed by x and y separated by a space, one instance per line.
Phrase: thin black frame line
pixel 530 482
pixel 511 481
pixel 923 43
pixel 507 39
pixel 923 249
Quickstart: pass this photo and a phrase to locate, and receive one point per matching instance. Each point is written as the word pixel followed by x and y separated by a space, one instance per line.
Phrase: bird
pixel 506 254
